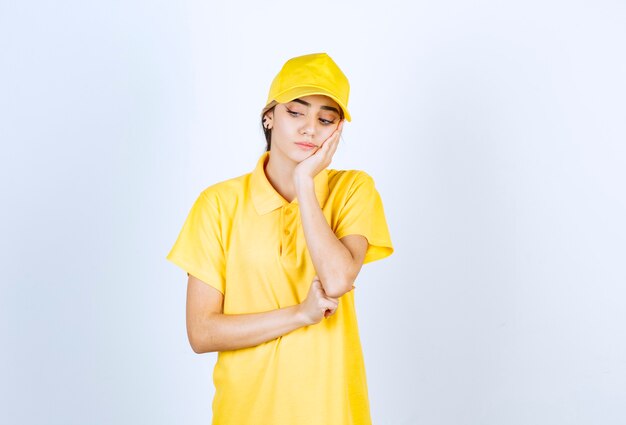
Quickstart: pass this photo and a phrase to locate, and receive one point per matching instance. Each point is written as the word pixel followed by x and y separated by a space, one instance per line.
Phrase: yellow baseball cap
pixel 315 73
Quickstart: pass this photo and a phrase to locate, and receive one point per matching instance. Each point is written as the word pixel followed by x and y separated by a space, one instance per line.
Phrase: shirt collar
pixel 265 197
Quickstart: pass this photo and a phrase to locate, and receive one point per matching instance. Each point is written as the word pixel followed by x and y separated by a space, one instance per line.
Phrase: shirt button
pixel 287 211
pixel 287 232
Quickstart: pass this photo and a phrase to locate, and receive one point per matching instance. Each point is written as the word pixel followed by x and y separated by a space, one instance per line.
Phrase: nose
pixel 308 127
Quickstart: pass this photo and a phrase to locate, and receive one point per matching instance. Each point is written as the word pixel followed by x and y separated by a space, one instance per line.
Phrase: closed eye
pixel 322 120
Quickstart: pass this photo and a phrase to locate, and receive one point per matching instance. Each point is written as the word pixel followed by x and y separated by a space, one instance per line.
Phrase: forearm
pixel 333 262
pixel 223 332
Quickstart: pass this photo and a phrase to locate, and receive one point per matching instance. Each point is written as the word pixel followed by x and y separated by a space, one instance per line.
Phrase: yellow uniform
pixel 244 239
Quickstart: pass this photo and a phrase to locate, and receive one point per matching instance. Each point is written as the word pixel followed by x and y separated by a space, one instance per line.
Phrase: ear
pixel 268 120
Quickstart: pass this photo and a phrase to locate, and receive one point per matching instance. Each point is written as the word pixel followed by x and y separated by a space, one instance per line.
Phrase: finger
pixel 326 303
pixel 330 147
pixel 328 142
pixel 328 313
pixel 333 147
pixel 324 292
pixel 336 136
pixel 331 138
pixel 339 128
pixel 317 285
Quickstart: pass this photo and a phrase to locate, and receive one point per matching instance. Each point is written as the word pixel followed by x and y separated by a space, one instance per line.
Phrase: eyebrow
pixel 328 108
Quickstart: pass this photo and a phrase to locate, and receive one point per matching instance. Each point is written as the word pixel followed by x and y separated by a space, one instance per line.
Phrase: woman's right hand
pixel 317 304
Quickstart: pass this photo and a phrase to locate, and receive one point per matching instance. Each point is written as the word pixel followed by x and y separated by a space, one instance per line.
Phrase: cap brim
pixel 296 92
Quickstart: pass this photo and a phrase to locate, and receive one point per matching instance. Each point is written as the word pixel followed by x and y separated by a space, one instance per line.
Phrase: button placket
pixel 288 242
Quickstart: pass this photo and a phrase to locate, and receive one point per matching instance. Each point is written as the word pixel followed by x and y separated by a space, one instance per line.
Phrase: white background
pixel 495 132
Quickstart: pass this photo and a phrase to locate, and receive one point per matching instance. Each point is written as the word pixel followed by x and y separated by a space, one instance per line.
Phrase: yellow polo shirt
pixel 244 239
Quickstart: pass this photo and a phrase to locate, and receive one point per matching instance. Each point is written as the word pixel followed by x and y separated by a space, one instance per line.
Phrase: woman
pixel 271 258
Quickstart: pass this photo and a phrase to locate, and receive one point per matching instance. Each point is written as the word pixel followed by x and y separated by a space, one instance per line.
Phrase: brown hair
pixel 268 132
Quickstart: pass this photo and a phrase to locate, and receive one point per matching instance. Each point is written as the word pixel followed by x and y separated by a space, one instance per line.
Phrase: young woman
pixel 272 257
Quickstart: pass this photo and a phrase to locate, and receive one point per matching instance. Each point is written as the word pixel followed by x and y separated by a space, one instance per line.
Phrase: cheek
pixel 327 132
pixel 285 127
pixel 280 132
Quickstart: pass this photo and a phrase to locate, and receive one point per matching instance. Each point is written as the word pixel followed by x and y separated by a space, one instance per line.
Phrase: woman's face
pixel 299 127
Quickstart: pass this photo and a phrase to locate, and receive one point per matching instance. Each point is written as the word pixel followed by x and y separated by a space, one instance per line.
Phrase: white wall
pixel 495 132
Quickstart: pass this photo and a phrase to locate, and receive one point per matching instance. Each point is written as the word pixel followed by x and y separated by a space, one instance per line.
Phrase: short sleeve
pixel 198 249
pixel 363 214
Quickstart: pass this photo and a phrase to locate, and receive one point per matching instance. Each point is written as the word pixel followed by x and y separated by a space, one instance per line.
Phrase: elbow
pixel 336 294
pixel 337 287
pixel 198 349
pixel 196 345
pixel 338 280
pixel 200 342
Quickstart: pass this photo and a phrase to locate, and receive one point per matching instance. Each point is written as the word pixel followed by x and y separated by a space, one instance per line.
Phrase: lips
pixel 306 144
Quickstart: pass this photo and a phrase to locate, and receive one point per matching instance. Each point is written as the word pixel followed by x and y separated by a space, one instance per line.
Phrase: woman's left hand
pixel 322 157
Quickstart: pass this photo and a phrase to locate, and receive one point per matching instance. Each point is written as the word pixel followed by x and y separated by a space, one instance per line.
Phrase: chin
pixel 293 153
pixel 297 155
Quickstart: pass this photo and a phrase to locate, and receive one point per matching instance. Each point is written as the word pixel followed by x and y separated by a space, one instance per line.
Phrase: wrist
pixel 299 316
pixel 302 181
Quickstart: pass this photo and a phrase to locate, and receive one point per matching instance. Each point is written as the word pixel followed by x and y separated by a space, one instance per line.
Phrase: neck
pixel 279 172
